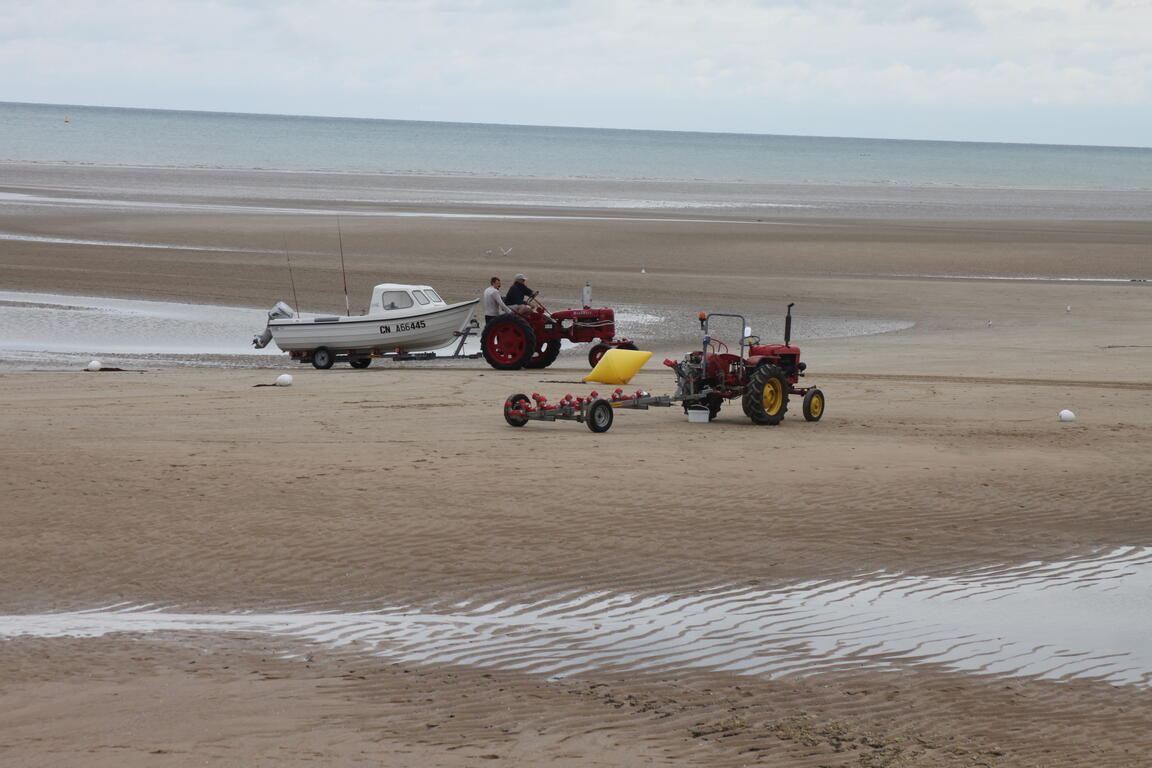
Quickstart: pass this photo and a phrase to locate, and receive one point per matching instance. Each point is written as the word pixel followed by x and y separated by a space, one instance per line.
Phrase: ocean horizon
pixel 127 136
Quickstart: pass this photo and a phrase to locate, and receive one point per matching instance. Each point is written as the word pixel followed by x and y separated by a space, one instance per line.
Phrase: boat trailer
pixel 595 411
pixel 457 352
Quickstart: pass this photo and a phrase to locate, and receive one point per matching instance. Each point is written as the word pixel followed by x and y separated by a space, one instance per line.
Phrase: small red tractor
pixel 762 376
pixel 531 339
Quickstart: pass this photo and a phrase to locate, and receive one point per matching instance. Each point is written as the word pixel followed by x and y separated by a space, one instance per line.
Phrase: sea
pixel 531 167
pixel 54 133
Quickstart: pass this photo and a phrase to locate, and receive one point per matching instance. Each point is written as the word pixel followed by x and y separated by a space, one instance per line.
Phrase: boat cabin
pixel 389 297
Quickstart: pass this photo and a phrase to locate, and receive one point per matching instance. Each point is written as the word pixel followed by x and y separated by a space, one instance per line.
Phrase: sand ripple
pixel 1084 618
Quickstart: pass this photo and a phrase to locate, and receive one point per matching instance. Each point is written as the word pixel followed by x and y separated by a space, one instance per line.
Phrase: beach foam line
pixel 23 238
pixel 1087 617
pixel 361 212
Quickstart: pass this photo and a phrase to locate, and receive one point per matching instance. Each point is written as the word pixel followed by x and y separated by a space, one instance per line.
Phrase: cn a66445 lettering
pixel 401 327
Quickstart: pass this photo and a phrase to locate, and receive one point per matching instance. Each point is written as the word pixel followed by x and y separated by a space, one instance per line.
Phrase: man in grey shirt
pixel 494 305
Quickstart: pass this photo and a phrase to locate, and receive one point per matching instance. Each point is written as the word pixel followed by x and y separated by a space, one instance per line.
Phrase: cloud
pixel 636 63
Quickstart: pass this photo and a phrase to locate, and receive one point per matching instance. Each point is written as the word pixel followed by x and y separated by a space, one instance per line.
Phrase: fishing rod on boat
pixel 340 239
pixel 291 279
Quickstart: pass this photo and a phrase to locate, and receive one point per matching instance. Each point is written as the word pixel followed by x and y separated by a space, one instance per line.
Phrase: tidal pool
pixel 1087 617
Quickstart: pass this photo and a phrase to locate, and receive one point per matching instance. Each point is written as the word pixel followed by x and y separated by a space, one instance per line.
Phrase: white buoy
pixel 1067 415
pixel 94 365
pixel 1068 308
pixel 284 380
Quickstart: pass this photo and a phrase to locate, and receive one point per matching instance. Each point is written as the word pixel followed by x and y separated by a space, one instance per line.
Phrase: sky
pixel 1036 71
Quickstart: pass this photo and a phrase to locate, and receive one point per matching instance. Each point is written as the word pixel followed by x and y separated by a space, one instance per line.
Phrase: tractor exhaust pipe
pixel 788 326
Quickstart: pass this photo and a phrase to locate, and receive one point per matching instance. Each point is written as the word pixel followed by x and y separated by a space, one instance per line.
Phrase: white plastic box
pixel 698 415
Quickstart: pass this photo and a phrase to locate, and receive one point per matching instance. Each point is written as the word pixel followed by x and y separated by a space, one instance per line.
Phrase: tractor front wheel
pixel 596 353
pixel 599 418
pixel 600 348
pixel 507 342
pixel 766 399
pixel 813 405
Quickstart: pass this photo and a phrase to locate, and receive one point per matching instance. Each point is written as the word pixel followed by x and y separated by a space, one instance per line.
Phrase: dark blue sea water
pixel 145 137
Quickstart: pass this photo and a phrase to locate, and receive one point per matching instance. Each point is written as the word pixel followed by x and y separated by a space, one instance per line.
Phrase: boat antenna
pixel 291 279
pixel 340 239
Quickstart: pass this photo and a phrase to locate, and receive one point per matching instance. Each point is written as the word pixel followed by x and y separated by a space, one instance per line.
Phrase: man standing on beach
pixel 494 305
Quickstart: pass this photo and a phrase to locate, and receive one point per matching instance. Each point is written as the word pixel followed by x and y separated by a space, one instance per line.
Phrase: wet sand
pixel 552 557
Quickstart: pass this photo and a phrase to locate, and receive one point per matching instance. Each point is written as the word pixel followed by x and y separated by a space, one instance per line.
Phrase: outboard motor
pixel 281 310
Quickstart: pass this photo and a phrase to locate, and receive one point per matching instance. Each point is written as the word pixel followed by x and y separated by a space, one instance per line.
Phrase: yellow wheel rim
pixel 773 396
pixel 816 406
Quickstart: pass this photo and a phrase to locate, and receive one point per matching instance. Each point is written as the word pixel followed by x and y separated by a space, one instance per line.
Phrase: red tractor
pixel 762 376
pixel 532 339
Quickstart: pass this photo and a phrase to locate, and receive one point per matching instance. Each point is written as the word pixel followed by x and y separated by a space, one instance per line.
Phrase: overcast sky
pixel 1052 71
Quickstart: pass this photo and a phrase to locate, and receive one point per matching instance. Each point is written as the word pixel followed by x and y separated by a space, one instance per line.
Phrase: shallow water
pixel 1089 617
pixel 47 323
pixel 38 329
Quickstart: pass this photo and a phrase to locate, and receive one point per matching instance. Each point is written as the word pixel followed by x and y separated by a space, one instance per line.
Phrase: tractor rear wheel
pixel 600 415
pixel 514 410
pixel 813 405
pixel 766 399
pixel 545 354
pixel 507 342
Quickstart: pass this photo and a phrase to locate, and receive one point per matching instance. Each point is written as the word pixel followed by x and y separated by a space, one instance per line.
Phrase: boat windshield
pixel 433 295
pixel 395 300
pixel 420 297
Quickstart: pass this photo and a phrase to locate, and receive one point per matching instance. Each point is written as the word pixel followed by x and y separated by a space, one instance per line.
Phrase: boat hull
pixel 414 331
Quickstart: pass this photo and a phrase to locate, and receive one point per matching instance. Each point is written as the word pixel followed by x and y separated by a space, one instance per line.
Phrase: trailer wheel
pixel 545 354
pixel 507 342
pixel 596 353
pixel 360 362
pixel 517 403
pixel 322 358
pixel 766 399
pixel 813 405
pixel 600 416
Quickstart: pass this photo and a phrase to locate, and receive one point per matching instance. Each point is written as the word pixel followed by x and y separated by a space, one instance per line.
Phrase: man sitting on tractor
pixel 519 295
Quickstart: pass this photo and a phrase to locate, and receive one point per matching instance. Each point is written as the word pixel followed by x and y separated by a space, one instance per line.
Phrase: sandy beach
pixel 547 596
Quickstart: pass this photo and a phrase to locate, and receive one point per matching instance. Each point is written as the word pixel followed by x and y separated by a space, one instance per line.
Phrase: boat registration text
pixel 401 327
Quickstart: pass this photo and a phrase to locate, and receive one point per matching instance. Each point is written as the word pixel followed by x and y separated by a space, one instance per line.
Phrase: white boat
pixel 401 319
